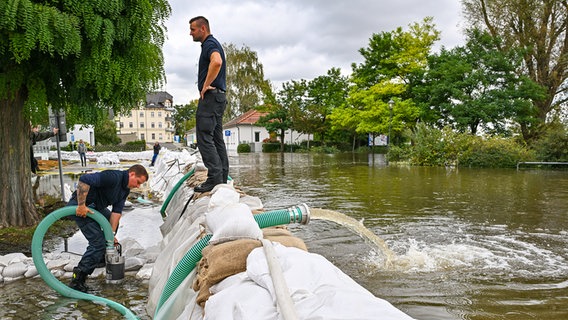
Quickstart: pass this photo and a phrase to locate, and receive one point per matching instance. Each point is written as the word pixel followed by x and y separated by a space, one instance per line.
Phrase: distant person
pixel 211 82
pixel 82 149
pixel 157 148
pixel 36 136
pixel 98 191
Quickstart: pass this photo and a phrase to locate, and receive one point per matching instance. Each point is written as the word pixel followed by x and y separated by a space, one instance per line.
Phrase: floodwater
pixel 438 243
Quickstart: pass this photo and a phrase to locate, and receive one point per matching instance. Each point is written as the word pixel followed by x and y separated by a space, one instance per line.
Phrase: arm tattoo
pixel 82 191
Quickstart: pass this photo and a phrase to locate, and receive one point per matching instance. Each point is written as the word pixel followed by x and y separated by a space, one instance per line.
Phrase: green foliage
pixel 105 132
pixel 131 146
pixel 270 147
pixel 184 117
pixel 325 149
pixel 476 87
pixel 81 55
pixel 433 147
pixel 246 85
pixel 553 145
pixel 323 94
pixel 395 55
pixel 243 148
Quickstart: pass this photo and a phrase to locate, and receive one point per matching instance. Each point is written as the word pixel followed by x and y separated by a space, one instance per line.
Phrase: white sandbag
pixel 15 270
pixel 228 219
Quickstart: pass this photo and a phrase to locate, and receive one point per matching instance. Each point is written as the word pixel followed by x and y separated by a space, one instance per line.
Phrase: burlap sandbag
pixel 229 258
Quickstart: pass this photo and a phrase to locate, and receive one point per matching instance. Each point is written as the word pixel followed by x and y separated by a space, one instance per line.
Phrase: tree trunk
pixel 16 202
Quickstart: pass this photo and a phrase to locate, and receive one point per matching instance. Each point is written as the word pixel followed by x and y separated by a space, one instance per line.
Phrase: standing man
pixel 157 148
pixel 82 149
pixel 211 82
pixel 98 191
pixel 36 136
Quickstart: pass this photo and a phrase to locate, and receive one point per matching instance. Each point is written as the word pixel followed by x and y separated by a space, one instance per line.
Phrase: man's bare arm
pixel 82 191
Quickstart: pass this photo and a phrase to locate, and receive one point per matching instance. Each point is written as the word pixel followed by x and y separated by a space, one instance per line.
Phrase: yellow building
pixel 151 121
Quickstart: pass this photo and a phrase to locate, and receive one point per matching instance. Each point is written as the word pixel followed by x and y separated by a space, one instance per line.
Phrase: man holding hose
pixel 98 191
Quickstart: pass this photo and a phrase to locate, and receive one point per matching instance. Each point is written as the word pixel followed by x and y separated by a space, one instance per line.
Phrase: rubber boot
pixel 78 280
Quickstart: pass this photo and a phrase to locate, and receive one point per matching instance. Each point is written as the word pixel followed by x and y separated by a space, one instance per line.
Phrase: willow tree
pixel 83 57
pixel 541 28
pixel 246 84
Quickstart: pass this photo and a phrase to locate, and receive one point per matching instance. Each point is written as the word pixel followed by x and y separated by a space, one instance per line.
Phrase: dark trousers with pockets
pixel 209 127
pixel 97 243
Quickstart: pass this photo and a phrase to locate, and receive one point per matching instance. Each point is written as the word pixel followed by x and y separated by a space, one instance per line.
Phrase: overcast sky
pixel 295 39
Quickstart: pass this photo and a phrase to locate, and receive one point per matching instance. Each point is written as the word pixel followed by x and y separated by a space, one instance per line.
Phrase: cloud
pixel 295 39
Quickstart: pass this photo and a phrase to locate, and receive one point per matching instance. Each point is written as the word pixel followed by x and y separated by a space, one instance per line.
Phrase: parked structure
pixel 151 121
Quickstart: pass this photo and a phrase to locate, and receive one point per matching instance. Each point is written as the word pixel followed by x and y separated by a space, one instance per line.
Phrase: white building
pixel 151 121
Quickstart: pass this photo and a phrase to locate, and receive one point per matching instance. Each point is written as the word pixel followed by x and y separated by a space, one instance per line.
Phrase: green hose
pixel 37 255
pixel 175 188
pixel 297 214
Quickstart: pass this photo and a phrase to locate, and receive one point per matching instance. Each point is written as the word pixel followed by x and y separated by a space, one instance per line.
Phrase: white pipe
pixel 284 303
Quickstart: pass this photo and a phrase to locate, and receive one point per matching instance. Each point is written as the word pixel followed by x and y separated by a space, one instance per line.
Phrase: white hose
pixel 284 302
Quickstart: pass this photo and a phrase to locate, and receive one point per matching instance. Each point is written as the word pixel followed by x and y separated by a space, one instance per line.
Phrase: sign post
pixel 57 120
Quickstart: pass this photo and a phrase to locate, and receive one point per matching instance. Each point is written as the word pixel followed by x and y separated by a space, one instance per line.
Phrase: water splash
pixel 357 227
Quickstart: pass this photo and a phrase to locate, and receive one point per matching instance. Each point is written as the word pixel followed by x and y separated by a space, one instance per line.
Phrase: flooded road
pixel 465 243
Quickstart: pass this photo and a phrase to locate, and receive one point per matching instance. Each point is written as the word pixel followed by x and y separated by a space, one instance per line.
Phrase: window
pixel 141 114
pixel 161 138
pixel 142 136
pixel 160 114
pixel 122 125
pixel 152 125
pixel 141 124
pixel 153 136
pixel 152 114
pixel 159 125
pixel 130 125
pixel 257 136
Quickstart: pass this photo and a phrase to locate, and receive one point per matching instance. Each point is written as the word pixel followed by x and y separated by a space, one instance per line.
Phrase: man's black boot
pixel 78 280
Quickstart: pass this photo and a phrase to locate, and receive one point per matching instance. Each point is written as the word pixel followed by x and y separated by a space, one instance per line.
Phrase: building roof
pixel 250 117
pixel 158 99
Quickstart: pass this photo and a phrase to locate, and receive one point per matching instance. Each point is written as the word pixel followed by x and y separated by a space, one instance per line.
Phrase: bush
pixel 243 148
pixel 132 146
pixel 270 147
pixel 434 147
pixel 325 149
pixel 553 146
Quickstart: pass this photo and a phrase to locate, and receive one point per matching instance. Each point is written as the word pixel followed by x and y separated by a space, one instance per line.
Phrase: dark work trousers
pixel 97 243
pixel 209 126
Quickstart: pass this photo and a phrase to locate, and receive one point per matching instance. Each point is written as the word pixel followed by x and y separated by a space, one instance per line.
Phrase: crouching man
pixel 98 191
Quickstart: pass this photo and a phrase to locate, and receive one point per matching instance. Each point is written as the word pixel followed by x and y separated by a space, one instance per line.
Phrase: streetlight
pixel 391 104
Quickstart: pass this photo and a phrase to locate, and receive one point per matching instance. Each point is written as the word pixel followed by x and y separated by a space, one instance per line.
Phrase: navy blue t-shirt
pixel 209 46
pixel 109 187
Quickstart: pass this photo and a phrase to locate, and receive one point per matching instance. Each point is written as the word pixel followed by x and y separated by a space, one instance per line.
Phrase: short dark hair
pixel 139 171
pixel 200 21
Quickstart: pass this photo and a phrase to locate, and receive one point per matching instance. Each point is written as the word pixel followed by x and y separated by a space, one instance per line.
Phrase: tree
pixel 391 61
pixel 324 94
pixel 79 56
pixel 475 86
pixel 245 80
pixel 105 132
pixel 541 28
pixel 184 117
pixel 282 107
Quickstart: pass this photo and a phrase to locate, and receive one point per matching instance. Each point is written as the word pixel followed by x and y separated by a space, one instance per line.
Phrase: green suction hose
pixel 37 256
pixel 174 190
pixel 298 214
